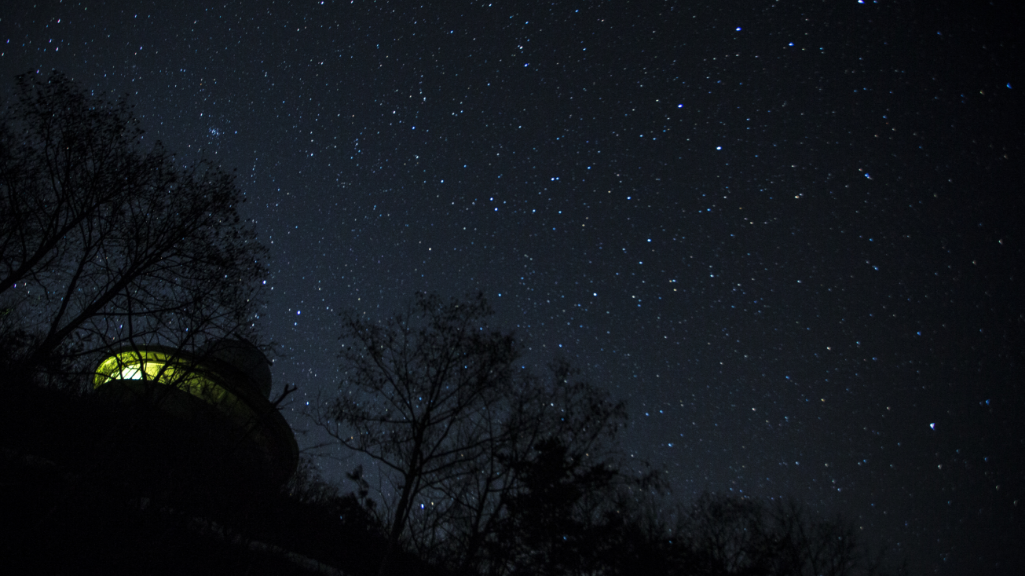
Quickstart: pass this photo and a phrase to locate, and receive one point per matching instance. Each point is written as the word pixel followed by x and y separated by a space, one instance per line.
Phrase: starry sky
pixel 787 233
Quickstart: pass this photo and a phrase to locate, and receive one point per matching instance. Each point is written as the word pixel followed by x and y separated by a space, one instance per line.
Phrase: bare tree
pixel 463 434
pixel 418 396
pixel 104 239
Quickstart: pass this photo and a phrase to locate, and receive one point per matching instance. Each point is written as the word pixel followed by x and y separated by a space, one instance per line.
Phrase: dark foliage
pixel 544 531
pixel 735 536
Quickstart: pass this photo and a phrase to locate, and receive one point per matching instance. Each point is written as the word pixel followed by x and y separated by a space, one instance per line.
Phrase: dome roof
pixel 247 359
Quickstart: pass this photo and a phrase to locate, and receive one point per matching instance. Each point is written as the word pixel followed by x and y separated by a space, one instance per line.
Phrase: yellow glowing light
pixel 162 368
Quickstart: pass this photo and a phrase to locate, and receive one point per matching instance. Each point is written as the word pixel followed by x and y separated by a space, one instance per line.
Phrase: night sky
pixel 789 234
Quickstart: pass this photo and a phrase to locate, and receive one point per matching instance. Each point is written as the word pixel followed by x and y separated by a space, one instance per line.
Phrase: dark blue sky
pixel 788 233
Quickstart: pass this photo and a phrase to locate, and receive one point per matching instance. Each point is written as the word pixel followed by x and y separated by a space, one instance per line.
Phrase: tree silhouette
pixel 463 435
pixel 104 239
pixel 731 535
pixel 546 531
pixel 417 397
pixel 556 481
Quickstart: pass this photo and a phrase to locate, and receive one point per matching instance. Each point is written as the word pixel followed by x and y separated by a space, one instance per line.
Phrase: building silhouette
pixel 203 416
